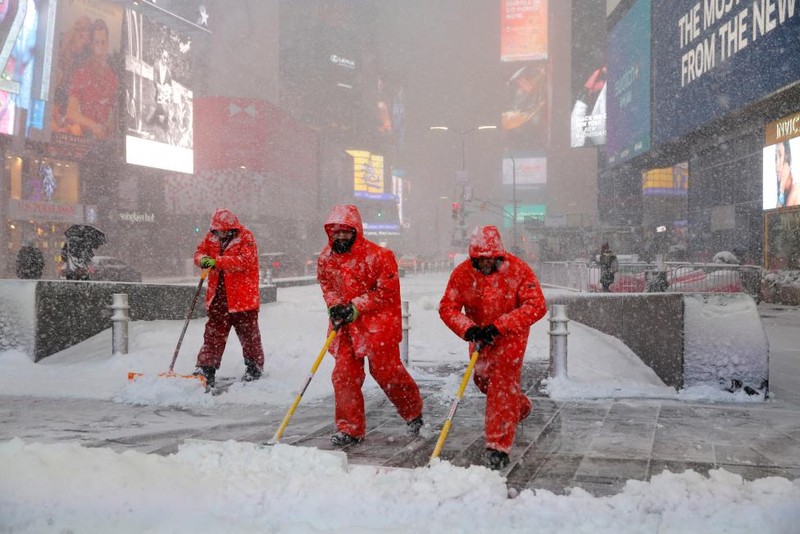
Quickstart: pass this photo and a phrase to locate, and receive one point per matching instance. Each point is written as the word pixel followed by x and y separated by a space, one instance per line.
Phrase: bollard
pixel 268 277
pixel 406 328
pixel 558 340
pixel 119 323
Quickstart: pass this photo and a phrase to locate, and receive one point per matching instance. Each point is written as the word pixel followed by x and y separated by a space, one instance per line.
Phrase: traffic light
pixel 456 210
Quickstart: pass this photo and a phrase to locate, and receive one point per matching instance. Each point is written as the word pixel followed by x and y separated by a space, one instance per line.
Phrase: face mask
pixel 781 199
pixel 487 268
pixel 340 246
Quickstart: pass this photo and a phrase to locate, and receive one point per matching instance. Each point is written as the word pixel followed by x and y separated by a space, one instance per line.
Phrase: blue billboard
pixel 628 92
pixel 713 57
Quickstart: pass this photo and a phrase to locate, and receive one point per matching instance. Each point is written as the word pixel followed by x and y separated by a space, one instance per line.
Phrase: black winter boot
pixel 252 373
pixel 496 460
pixel 415 425
pixel 342 439
pixel 208 372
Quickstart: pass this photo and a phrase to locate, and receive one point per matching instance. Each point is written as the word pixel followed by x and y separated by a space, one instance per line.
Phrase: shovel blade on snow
pixel 133 376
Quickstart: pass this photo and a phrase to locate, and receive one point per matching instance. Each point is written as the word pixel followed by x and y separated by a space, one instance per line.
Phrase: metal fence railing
pixel 647 277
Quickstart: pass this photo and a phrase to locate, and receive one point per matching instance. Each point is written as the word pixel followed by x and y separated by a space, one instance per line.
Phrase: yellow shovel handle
pixel 449 422
pixel 293 407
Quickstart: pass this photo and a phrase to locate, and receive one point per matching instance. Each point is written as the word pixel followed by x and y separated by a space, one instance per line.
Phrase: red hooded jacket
pixel 510 298
pixel 239 262
pixel 367 276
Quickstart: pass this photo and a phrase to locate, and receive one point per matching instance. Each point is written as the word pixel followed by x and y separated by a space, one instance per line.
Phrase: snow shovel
pixel 278 433
pixel 449 422
pixel 170 373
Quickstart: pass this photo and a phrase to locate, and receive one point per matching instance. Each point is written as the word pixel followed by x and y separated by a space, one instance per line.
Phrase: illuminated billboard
pixel 589 74
pixel 781 163
pixel 524 117
pixel 368 180
pixel 86 78
pixel 25 55
pixel 523 30
pixel 667 181
pixel 628 95
pixel 524 171
pixel 159 96
pixel 528 215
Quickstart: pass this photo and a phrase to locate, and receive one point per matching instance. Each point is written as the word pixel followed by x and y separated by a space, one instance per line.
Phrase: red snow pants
pixel 218 326
pixel 387 370
pixel 498 377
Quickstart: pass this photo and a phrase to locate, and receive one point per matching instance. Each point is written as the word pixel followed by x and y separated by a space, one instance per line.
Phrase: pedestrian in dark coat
pixel 361 287
pixel 493 298
pixel 608 267
pixel 30 262
pixel 232 299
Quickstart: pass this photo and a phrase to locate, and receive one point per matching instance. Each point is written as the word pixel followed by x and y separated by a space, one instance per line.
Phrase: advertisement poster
pixel 86 76
pixel 26 49
pixel 713 58
pixel 781 165
pixel 368 179
pixel 628 96
pixel 524 172
pixel 525 115
pixel 523 30
pixel 589 74
pixel 158 96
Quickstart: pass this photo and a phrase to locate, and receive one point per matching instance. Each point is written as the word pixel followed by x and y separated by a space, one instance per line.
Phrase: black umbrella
pixel 86 233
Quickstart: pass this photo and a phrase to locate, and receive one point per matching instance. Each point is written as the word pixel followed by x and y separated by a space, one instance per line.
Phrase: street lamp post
pixel 463 134
pixel 514 202
pixel 460 193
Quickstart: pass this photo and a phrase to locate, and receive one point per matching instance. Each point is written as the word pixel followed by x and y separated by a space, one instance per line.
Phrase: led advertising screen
pixel 523 30
pixel 528 215
pixel 524 171
pixel 86 76
pixel 26 38
pixel 666 181
pixel 709 58
pixel 368 179
pixel 781 163
pixel 526 105
pixel 628 96
pixel 589 73
pixel 158 96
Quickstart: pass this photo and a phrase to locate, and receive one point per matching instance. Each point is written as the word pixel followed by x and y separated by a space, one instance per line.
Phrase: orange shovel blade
pixel 133 376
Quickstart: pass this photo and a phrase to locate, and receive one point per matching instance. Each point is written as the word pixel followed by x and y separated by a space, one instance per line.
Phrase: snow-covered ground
pixel 242 487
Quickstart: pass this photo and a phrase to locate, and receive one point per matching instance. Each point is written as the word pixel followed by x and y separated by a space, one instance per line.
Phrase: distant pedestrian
pixel 361 287
pixel 232 299
pixel 608 267
pixel 30 261
pixel 493 298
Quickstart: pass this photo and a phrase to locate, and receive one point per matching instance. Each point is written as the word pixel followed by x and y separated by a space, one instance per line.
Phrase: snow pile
pixel 242 487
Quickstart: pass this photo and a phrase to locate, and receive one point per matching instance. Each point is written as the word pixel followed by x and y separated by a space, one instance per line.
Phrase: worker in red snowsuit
pixel 361 288
pixel 500 298
pixel 232 299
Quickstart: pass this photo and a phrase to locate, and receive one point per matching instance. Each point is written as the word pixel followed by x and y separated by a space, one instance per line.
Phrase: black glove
pixel 487 334
pixel 342 314
pixel 472 333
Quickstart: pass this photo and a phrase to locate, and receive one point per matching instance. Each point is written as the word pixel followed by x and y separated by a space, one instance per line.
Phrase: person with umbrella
pixel 78 250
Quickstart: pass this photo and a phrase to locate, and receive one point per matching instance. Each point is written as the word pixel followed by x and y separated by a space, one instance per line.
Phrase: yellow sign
pixel 367 172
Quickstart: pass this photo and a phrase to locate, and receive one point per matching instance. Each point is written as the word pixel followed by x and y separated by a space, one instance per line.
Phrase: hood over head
pixel 346 215
pixel 224 220
pixel 485 242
